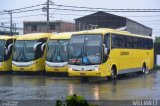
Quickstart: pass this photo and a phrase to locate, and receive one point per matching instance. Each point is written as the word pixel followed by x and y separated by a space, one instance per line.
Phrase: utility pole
pixel 11 23
pixel 46 9
pixel 47 15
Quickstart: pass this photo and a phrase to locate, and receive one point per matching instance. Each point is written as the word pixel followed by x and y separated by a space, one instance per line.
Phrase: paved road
pixel 20 87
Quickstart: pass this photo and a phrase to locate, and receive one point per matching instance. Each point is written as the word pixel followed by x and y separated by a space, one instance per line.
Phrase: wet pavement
pixel 131 87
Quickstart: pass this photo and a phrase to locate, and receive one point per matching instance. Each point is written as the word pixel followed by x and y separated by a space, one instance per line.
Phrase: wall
pixel 137 28
pixel 42 27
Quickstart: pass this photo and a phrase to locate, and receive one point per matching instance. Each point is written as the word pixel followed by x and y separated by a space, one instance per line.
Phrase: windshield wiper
pixel 85 55
pixel 53 53
pixel 24 53
pixel 18 56
pixel 59 54
pixel 78 57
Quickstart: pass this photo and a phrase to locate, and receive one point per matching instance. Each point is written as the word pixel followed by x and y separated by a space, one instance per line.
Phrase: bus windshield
pixel 2 45
pixel 85 49
pixel 24 50
pixel 57 51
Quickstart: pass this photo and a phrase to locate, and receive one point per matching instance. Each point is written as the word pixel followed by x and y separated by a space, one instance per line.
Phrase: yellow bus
pixel 107 53
pixel 57 53
pixel 30 52
pixel 6 44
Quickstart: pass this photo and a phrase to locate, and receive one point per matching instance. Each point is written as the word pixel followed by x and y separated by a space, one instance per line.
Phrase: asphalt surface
pixel 127 87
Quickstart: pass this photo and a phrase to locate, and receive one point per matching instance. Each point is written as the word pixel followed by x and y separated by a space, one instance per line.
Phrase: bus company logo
pixel 124 53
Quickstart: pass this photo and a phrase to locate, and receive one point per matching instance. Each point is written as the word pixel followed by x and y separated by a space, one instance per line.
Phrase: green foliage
pixel 74 100
pixel 157 39
pixel 59 103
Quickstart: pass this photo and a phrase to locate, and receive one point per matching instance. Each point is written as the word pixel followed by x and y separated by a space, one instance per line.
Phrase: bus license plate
pixel 82 74
pixel 21 69
pixel 56 69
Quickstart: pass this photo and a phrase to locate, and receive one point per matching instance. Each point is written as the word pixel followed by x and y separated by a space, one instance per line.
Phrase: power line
pixel 144 16
pixel 81 15
pixel 105 11
pixel 24 11
pixel 23 16
pixel 88 10
pixel 67 14
pixel 105 8
pixel 148 20
pixel 28 10
pixel 23 8
pixel 27 7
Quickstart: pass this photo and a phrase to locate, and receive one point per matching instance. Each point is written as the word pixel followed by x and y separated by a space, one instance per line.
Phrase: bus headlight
pixel 70 68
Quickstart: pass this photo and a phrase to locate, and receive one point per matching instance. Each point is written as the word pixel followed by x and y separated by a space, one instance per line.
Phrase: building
pixel 105 20
pixel 41 26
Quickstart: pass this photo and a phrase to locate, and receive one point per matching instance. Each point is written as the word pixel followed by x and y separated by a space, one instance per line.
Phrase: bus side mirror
pixel 70 48
pixel 8 48
pixel 65 47
pixel 105 49
pixel 5 50
pixel 35 45
pixel 42 46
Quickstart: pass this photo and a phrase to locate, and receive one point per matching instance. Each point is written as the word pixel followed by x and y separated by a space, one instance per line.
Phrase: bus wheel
pixel 114 73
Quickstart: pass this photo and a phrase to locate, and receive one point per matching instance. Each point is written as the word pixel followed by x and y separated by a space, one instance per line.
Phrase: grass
pixel 74 100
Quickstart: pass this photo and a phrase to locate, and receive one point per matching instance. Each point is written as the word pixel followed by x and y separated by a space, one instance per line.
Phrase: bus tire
pixel 114 73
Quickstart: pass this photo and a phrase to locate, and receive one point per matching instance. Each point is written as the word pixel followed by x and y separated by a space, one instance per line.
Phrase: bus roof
pixel 33 36
pixel 108 30
pixel 5 37
pixel 64 35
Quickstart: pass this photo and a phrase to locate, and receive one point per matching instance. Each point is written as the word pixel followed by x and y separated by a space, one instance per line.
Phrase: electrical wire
pixel 104 11
pixel 23 8
pixel 106 8
pixel 23 16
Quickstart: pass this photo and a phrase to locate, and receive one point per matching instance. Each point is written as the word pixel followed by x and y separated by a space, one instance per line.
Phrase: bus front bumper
pixel 2 68
pixel 31 68
pixel 56 69
pixel 85 73
pixel 5 66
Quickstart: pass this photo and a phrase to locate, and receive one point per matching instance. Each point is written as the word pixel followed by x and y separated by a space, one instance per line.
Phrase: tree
pixel 157 39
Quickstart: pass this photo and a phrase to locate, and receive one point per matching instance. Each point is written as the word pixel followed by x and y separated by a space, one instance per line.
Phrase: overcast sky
pixel 153 22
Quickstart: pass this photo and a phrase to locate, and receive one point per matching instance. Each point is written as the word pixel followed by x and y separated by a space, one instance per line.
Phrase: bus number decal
pixel 124 53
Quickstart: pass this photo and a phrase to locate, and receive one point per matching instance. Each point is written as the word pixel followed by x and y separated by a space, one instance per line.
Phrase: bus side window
pixel 107 41
pixel 122 41
pixel 135 42
pixel 114 41
pixel 128 43
pixel 9 49
pixel 107 47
